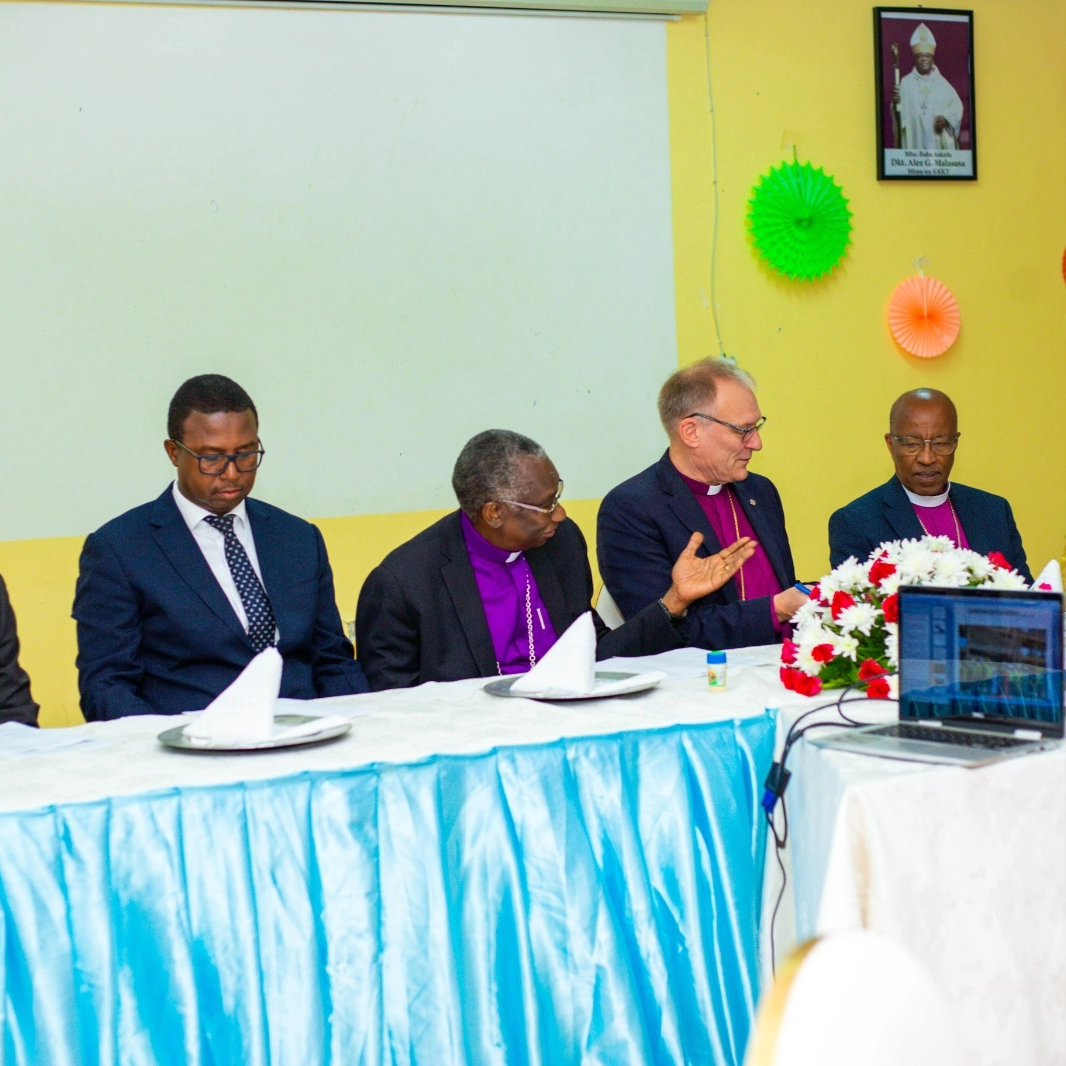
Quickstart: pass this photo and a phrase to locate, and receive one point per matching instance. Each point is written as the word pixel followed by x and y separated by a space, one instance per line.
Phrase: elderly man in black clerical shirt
pixel 489 589
pixel 923 438
pixel 16 704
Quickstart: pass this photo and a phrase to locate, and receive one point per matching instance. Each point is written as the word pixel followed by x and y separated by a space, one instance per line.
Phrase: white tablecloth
pixel 965 868
pixel 106 759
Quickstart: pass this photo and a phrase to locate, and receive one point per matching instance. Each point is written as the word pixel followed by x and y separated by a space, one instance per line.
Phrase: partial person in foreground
pixel 702 484
pixel 489 588
pixel 176 597
pixel 920 500
pixel 16 703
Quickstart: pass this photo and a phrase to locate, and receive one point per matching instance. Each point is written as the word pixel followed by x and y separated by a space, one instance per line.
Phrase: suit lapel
pixel 974 521
pixel 550 588
pixel 689 513
pixel 458 577
pixel 749 496
pixel 269 549
pixel 684 506
pixel 899 513
pixel 177 543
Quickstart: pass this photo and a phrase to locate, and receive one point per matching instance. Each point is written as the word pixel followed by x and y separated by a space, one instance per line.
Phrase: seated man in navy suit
pixel 175 597
pixel 922 438
pixel 489 588
pixel 702 483
pixel 16 704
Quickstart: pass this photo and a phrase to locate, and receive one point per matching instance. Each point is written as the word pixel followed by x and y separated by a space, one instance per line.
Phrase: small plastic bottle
pixel 716 670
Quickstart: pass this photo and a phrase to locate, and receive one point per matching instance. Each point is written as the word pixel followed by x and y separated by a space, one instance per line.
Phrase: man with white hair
pixel 930 111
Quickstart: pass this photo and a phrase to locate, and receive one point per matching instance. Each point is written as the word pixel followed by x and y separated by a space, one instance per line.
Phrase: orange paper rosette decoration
pixel 923 316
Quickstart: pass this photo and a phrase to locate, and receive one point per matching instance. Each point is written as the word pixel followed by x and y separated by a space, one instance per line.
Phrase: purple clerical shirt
pixel 729 522
pixel 942 521
pixel 502 579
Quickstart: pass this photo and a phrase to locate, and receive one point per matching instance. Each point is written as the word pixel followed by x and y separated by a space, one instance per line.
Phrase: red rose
pixel 797 681
pixel 841 602
pixel 881 570
pixel 1000 560
pixel 891 608
pixel 788 652
pixel 816 593
pixel 869 669
pixel 878 689
pixel 823 653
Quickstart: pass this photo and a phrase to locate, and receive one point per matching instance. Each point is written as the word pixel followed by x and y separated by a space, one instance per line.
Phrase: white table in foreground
pixel 462 879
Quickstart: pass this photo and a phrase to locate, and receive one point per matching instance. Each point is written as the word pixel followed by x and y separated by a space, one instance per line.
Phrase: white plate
pixel 176 738
pixel 607 683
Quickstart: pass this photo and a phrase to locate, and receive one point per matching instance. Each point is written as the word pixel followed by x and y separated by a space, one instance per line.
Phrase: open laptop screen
pixel 990 656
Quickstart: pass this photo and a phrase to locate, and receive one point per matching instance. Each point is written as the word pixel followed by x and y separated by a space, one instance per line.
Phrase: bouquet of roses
pixel 848 632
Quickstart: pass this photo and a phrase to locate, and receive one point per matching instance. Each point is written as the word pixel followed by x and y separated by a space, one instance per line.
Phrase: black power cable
pixel 777 781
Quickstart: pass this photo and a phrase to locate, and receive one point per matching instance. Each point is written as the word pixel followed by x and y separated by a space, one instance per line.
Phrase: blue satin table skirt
pixel 592 900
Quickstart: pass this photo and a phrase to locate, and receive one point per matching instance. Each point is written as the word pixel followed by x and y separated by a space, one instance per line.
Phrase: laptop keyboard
pixel 956 737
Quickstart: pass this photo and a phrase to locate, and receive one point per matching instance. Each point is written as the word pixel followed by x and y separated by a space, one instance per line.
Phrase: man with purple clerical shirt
pixel 489 588
pixel 702 483
pixel 921 500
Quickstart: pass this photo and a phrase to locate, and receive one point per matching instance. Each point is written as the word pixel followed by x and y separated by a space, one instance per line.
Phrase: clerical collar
pixel 927 501
pixel 698 488
pixel 478 545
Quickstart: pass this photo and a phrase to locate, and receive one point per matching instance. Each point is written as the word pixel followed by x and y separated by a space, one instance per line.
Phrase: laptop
pixel 980 678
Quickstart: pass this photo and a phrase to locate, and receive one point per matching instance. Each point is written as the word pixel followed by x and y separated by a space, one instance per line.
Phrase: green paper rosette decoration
pixel 800 221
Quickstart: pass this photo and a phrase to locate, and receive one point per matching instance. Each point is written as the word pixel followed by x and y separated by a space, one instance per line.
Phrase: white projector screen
pixel 394 229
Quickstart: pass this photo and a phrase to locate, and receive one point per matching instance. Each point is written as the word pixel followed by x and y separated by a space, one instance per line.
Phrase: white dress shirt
pixel 212 543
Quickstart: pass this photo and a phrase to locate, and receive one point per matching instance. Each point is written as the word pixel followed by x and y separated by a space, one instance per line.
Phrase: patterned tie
pixel 261 621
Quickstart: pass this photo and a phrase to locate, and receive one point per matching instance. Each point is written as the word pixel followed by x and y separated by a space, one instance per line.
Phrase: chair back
pixel 607 609
pixel 854 997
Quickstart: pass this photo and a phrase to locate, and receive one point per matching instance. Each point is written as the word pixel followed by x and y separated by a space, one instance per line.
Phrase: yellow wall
pixel 786 72
pixel 800 73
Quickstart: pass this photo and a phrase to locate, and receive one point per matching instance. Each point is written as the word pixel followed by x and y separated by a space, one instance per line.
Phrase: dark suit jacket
pixel 156 634
pixel 887 514
pixel 16 704
pixel 420 616
pixel 644 525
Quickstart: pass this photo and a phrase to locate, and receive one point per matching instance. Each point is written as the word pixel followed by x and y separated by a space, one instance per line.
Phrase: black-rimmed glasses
pixel 914 445
pixel 741 431
pixel 245 462
pixel 533 507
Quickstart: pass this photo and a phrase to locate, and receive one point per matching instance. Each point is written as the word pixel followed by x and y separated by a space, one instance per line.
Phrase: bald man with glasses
pixel 489 589
pixel 921 500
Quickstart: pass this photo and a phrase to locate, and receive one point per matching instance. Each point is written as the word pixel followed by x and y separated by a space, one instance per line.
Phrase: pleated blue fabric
pixel 592 900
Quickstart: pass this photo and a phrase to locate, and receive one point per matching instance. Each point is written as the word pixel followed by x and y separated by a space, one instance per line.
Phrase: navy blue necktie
pixel 261 621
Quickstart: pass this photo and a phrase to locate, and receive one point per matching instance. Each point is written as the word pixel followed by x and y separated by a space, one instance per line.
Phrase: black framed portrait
pixel 924 71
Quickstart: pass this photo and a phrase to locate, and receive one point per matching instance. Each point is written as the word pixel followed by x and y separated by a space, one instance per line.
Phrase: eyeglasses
pixel 914 445
pixel 245 462
pixel 742 431
pixel 533 507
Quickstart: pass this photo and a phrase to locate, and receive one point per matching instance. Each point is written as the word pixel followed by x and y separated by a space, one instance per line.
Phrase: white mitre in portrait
pixel 922 40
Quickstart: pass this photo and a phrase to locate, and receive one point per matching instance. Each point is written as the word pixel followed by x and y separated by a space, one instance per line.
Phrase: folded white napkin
pixel 245 710
pixel 1050 578
pixel 569 668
